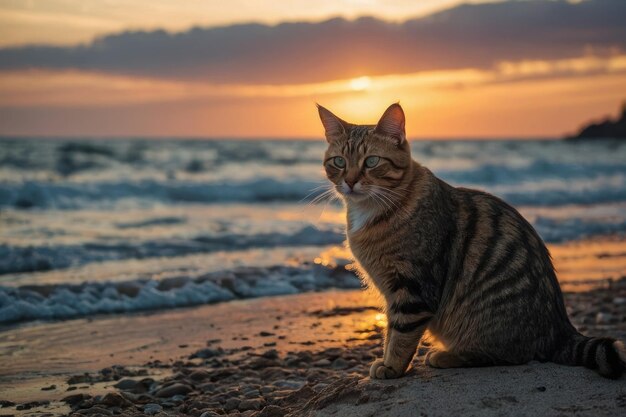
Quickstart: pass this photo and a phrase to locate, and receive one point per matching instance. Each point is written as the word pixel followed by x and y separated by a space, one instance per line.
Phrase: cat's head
pixel 365 161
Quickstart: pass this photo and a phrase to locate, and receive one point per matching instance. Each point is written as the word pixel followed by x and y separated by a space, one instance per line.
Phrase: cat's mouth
pixel 353 194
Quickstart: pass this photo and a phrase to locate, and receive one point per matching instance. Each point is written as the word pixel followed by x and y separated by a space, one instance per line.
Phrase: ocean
pixel 93 227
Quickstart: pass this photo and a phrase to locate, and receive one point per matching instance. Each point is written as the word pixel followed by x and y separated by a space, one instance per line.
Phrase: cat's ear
pixel 333 125
pixel 392 123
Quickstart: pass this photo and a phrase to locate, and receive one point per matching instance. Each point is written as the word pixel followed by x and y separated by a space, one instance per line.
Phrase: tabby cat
pixel 459 263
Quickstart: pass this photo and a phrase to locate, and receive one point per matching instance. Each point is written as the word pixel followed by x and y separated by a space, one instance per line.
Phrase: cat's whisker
pixel 328 194
pixel 395 192
pixel 315 190
pixel 388 204
pixel 320 198
pixel 376 198
pixel 324 188
pixel 392 192
pixel 387 194
pixel 396 205
pixel 385 199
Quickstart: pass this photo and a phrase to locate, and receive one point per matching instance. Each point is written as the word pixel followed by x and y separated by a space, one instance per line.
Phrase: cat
pixel 460 263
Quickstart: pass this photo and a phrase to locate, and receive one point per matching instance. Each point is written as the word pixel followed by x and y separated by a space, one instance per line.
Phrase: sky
pixel 246 68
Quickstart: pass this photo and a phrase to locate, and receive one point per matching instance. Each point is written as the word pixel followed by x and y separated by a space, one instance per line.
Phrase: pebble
pixel 152 408
pixel 321 362
pixel 292 362
pixel 126 384
pixel 231 404
pixel 334 352
pixel 32 404
pixel 339 363
pixel 289 384
pixel 250 404
pixel 146 382
pixel 267 389
pixel 172 390
pixel 209 414
pixel 206 353
pixel 270 354
pixel 95 410
pixel 604 318
pixel 262 362
pixel 207 387
pixel 113 399
pixel 251 394
pixel 199 375
pixel 75 399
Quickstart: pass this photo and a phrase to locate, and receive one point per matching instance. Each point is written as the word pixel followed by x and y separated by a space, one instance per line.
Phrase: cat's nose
pixel 350 182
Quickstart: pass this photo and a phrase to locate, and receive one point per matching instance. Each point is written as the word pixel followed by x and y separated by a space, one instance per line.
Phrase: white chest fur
pixel 358 216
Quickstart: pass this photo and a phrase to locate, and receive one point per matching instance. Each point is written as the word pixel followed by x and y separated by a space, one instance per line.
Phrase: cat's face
pixel 366 163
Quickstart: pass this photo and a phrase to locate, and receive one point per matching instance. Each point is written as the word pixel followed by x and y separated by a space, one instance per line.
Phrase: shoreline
pixel 323 341
pixel 581 265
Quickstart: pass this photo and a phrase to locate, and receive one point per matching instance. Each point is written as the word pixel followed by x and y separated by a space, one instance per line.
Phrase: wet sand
pixel 296 355
pixel 39 356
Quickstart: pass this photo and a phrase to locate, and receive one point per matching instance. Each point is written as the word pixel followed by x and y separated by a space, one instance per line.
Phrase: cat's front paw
pixel 378 370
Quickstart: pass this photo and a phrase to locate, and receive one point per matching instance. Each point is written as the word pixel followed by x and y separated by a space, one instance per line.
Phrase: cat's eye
pixel 371 161
pixel 339 162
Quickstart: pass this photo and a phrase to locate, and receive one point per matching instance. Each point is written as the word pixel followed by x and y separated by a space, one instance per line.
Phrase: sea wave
pixel 45 257
pixel 78 195
pixel 96 210
pixel 64 301
pixel 15 259
pixel 70 195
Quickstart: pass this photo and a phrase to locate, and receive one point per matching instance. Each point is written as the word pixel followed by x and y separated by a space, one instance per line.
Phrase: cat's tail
pixel 604 354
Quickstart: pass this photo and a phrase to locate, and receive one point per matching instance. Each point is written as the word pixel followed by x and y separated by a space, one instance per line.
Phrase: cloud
pixel 468 36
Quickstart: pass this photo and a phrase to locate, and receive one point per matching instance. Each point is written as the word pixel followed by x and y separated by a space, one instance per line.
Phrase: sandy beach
pixel 182 184
pixel 297 355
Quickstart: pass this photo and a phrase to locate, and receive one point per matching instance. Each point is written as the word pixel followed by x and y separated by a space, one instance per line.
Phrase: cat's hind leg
pixel 445 359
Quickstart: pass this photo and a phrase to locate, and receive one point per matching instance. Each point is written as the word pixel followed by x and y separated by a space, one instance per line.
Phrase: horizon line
pixel 270 138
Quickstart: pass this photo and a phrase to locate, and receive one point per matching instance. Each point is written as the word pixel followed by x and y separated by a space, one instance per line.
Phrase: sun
pixel 360 84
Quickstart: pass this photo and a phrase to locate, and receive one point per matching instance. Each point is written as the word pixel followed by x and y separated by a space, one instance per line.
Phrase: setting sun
pixel 360 84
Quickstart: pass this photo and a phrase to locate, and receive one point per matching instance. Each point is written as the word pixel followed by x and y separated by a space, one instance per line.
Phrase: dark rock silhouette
pixel 606 129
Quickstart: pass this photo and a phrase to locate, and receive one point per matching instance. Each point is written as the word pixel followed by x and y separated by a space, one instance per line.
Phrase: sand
pixel 296 355
pixel 530 390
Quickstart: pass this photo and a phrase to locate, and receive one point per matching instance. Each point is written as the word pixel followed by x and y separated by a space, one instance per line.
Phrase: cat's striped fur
pixel 460 263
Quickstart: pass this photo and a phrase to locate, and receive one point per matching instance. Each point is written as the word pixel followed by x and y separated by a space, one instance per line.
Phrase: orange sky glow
pixel 513 98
